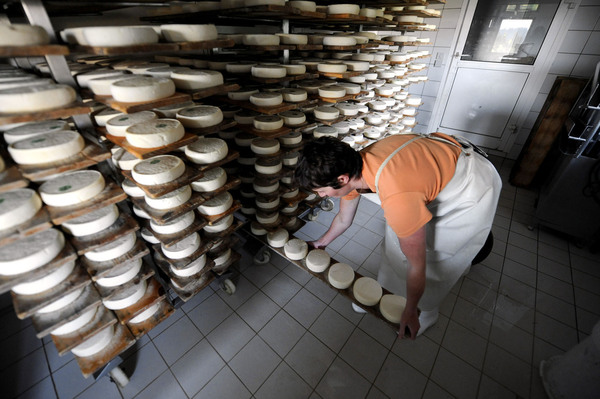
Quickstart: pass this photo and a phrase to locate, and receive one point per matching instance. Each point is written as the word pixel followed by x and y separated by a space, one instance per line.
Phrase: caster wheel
pixel 119 377
pixel 262 257
pixel 312 217
pixel 327 205
pixel 228 286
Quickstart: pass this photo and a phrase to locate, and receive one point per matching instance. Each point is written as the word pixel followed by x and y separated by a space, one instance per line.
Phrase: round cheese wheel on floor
pixel 213 179
pixel 269 71
pixel 145 314
pixel 295 249
pixel 30 252
pixel 183 248
pixel 174 226
pixel 111 36
pixel 326 113
pixel 267 218
pixel 113 249
pixel 340 276
pixel 216 205
pixel 207 150
pixel 195 79
pixel 47 147
pixel 343 9
pixel 318 260
pixel 127 297
pixel 367 291
pixel 267 122
pixel 131 189
pixel 171 200
pixel 158 170
pixel 219 226
pixel 392 307
pixel 266 99
pixel 22 35
pixel 141 89
pixel 75 324
pixel 155 133
pixel 278 238
pixel 118 125
pixel 30 130
pixel 339 40
pixel 72 188
pixel 18 206
pixel 92 222
pixel 262 146
pixel 35 98
pixel 191 268
pixel 200 116
pixel 188 32
pixel 260 40
pixel 47 282
pixel 121 274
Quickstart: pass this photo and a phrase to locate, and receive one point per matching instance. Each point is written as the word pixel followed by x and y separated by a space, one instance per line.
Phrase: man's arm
pixel 340 223
pixel 413 248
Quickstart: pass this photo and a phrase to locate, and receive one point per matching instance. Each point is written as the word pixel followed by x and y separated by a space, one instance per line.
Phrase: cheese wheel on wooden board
pixel 61 302
pixel 278 238
pixel 293 118
pixel 83 79
pixel 171 200
pixel 148 236
pixel 95 344
pixel 158 170
pixel 289 210
pixel 92 222
pixel 49 281
pixel 140 212
pixel 188 32
pixel 340 275
pixel 222 258
pixel 191 268
pixel 266 99
pixel 141 89
pixel 295 249
pixel 345 41
pixel 291 159
pixel 343 9
pixel 101 86
pixel 131 189
pixel 263 146
pixel 286 38
pixel 323 131
pixel 212 179
pixel 121 274
pixel 22 35
pixel 265 187
pixel 326 113
pixel 118 125
pixel 318 260
pixel 31 252
pixel 257 229
pixel 176 225
pixel 268 166
pixel 195 79
pixel 269 71
pixel 267 218
pixel 367 291
pixel 102 117
pixel 221 225
pixel 145 314
pixel 155 133
pixel 294 95
pixel 207 150
pixel 243 94
pixel 184 248
pixel 392 307
pixel 268 122
pixel 35 98
pixel 32 129
pixel 126 297
pixel 294 69
pixel 216 205
pixel 260 40
pixel 347 109
pixel 23 81
pixel 113 249
pixel 72 188
pixel 77 323
pixel 332 91
pixel 309 6
pixel 292 138
pixel 331 67
pixel 114 36
pixel 200 116
pixel 124 160
pixel 240 67
pixel 18 206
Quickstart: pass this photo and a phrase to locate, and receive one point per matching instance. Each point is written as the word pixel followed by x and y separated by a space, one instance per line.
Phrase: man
pixel 439 198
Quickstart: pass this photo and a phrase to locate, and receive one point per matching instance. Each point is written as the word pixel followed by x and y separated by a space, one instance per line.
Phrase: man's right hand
pixel 316 244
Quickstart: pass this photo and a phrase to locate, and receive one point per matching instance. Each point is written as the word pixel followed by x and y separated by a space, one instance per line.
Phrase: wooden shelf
pixel 191 174
pixel 153 292
pixel 98 270
pixel 289 78
pixel 167 215
pixel 33 51
pixel 12 179
pixel 125 224
pixel 75 108
pixel 225 233
pixel 267 134
pixel 164 310
pixel 102 319
pixel 110 292
pixel 145 153
pixel 168 240
pixel 211 91
pixel 130 108
pixel 184 283
pixel 38 223
pixel 212 219
pixel 122 50
pixel 226 124
pixel 285 106
pixel 205 45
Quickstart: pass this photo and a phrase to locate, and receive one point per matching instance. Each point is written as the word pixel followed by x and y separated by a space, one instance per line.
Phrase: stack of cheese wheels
pixel 302 5
pixel 318 260
pixel 278 238
pixel 125 297
pixel 174 226
pixel 171 200
pixel 161 169
pixel 17 207
pixel 121 274
pixel 188 32
pixel 392 307
pixel 118 124
pixel 217 205
pixel 32 129
pixel 220 225
pixel 212 180
pixel 141 89
pixel 24 99
pixel 170 111
pixel 207 150
pixel 113 249
pixel 72 188
pixel 47 282
pixel 47 147
pixel 92 222
pixel 367 291
pixel 261 146
pixel 182 249
pixel 155 133
pixel 31 252
pixel 200 116
pixel 191 268
pixel 267 218
pixel 195 79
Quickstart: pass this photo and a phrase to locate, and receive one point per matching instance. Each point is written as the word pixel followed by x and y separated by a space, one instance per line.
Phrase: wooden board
pixel 338 100
pixel 219 270
pixel 159 256
pixel 197 286
pixel 288 78
pixel 145 153
pixel 125 224
pixel 212 219
pixel 205 45
pixel 34 50
pixel 38 223
pixel 284 106
pixel 211 91
pixel 111 194
pixel 184 283
pixel 130 108
pixel 12 179
pixel 144 273
pixel 133 49
pixel 168 240
pixel 164 310
pixel 165 216
pixel 226 124
pixel 75 108
pixel 102 319
pixel 191 174
pixel 266 134
pixel 98 270
pixel 222 234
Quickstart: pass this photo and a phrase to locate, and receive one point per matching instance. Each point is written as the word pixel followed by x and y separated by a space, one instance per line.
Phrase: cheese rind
pixel 47 282
pixel 191 268
pixel 367 291
pixel 260 40
pixel 219 226
pixel 17 207
pixel 93 222
pixel 113 249
pixel 22 35
pixel 207 150
pixel 62 301
pixel 183 248
pixel 121 274
pixel 112 36
pixel 118 125
pixel 72 188
pixel 266 99
pixel 170 200
pixel 196 79
pixel 132 189
pixel 47 147
pixel 188 32
pixel 212 180
pixel 318 260
pixel 295 249
pixel 216 205
pixel 269 71
pixel 141 89
pixel 30 252
pixel 35 98
pixel 126 298
pixel 29 130
pixel 155 133
pixel 278 238
pixel 76 323
pixel 158 170
pixel 340 276
pixel 263 146
pixel 200 116
pixel 174 226
pixel 326 113
pixel 268 122
pixel 145 314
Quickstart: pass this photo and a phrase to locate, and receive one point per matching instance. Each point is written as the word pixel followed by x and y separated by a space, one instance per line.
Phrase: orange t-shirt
pixel 410 180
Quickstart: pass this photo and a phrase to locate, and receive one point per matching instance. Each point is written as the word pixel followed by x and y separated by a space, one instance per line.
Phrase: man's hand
pixel 316 244
pixel 409 321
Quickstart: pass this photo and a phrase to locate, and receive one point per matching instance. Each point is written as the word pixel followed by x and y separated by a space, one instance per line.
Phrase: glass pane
pixel 509 31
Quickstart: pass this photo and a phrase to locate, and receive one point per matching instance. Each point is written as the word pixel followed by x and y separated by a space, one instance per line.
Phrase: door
pixel 495 76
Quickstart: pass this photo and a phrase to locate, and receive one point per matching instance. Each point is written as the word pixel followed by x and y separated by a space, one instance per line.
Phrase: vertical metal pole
pixel 285 28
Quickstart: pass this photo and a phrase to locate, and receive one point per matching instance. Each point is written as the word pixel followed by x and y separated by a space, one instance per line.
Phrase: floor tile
pixel 367 239
pixel 281 289
pixel 555 332
pixel 177 340
pixel 434 391
pixel 455 375
pixel 484 275
pixel 521 241
pixel 437 331
pixel 396 376
pixel 508 370
pixel 43 390
pixel 379 330
pixel 332 329
pixel 556 308
pixel 260 275
pixel 210 314
pixel 195 301
pixel 230 336
pixel 515 313
pixel 586 281
pixel 465 344
pixel 305 307
pixel 342 381
pixel 554 269
pixel 587 300
pixel 586 320
pixel 543 350
pixel 254 363
pixel 258 310
pixel 364 354
pixel 555 287
pixel 321 290
pixel 355 251
pixel 225 385
pixel 481 295
pixel 338 243
pixel 18 346
pixel 494 261
pixel 282 332
pixel 142 368
pixel 523 256
pixel 512 339
pixel 517 291
pixel 31 369
pixel 197 367
pixel 556 254
pixel 284 383
pixel 375 393
pixel 55 361
pixel 310 358
pixel 165 386
pixel 244 289
pixel 472 317
pixel 520 272
pixel 299 275
pixel 69 381
pixel 102 388
pixel 585 263
pixel 420 353
pixel 491 389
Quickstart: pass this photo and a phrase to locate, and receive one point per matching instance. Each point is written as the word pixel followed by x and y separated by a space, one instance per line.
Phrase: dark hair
pixel 323 160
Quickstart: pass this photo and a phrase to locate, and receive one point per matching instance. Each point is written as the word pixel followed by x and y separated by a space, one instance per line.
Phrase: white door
pixel 498 69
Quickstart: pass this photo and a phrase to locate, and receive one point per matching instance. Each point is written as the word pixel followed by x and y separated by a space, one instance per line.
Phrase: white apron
pixel 462 219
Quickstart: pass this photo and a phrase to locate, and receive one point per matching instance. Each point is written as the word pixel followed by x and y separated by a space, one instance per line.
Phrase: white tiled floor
pixel 286 335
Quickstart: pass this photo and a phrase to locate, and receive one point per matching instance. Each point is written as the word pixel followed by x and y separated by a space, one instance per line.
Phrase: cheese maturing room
pixel 298 199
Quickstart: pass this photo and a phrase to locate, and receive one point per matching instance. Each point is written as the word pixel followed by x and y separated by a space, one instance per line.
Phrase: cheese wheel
pixel 291 159
pixel 22 35
pixel 132 189
pixel 77 323
pixel 195 79
pixel 35 98
pixel 222 258
pixel 158 170
pixel 32 129
pixel 17 207
pixel 72 188
pixel 310 6
pixel 292 138
pixel 145 314
pixel 267 166
pixel 62 301
pixel 333 91
pixel 409 121
pixel 200 116
pixel 188 32
pixel 216 205
pixel 269 71
pixel 240 67
pixel 176 225
pixel 266 99
pixel 191 268
pixel 289 210
pixel 113 249
pixel 401 38
pixel 31 252
pixel 268 122
pixel 295 249
pixel 155 133
pixel 392 307
pixel 251 3
pixel 92 222
pixel 351 88
pixel 260 40
pixel 148 236
pixel 318 260
pixel 212 179
pixel 257 229
pixel 45 283
pixel 125 160
pixel 294 69
pixel 326 113
pixel 141 89
pixel 207 150
pixel 7 82
pixel 101 86
pixel 242 94
pixel 339 40
pixel 112 36
pixel 102 117
pixel 367 291
pixel 83 79
pixel 323 131
pixel 412 101
pixel 184 248
pixel 343 9
pixel 262 146
pixel 278 238
pixel 121 274
pixel 265 188
pixel 285 38
pixel 267 218
pixel 140 212
pixel 171 200
pixel 347 109
pixel 340 276
pixel 219 226
pixel 331 68
pixel 163 71
pixel 294 95
pixel 342 127
pixel 127 297
pixel 118 125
